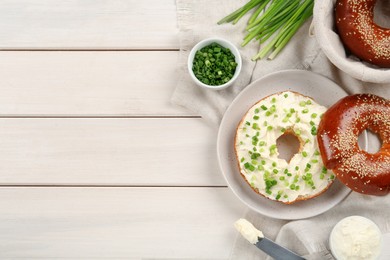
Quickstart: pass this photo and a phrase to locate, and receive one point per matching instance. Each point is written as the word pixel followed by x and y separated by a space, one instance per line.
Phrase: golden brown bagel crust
pixel 338 142
pixel 359 33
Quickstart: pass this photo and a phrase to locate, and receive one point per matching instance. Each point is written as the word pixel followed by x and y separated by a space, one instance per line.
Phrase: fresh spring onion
pixel 279 19
pixel 214 64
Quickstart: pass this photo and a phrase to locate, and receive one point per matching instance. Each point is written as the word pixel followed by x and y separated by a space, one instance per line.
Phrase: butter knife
pixel 276 251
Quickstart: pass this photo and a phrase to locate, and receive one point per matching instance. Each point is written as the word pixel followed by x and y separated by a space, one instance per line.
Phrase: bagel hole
pixel 288 145
pixel 374 142
pixel 381 13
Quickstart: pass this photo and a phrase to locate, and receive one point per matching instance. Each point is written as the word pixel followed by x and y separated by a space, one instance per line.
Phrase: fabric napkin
pixel 197 20
pixel 309 237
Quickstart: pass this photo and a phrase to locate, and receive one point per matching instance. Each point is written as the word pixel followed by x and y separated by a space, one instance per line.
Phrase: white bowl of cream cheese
pixel 356 238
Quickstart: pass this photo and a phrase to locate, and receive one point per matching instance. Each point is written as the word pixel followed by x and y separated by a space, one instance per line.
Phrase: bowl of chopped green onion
pixel 214 63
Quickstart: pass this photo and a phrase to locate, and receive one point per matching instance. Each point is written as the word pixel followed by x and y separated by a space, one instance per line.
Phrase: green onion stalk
pixel 279 19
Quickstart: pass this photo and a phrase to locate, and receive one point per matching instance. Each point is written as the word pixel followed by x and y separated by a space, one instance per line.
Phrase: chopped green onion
pixel 314 130
pixel 255 155
pixel 272 149
pixel 214 64
pixel 249 167
pixel 255 126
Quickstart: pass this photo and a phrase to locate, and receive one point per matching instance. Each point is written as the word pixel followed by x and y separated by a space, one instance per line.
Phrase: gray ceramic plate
pixel 324 92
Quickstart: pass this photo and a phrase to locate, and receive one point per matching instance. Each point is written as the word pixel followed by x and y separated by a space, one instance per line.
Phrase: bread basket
pixel 330 43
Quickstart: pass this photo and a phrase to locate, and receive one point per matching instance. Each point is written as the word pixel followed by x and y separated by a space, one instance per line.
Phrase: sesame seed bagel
pixel 304 176
pixel 338 134
pixel 360 34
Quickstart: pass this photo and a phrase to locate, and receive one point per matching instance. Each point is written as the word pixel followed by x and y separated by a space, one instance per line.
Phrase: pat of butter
pixel 248 231
pixel 356 238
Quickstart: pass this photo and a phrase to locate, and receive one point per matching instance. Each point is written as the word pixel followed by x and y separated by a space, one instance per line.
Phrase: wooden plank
pixel 87 83
pixel 88 24
pixel 180 223
pixel 109 151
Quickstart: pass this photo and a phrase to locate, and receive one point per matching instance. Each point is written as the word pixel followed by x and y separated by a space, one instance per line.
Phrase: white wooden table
pixel 94 160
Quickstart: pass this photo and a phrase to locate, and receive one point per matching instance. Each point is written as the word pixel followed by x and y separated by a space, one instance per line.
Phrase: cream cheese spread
pixel 257 153
pixel 248 231
pixel 355 238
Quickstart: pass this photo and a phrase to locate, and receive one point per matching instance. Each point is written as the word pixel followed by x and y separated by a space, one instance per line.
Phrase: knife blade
pixel 276 251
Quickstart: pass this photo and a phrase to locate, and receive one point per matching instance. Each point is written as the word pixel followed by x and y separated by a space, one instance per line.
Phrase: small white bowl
pixel 223 43
pixel 353 227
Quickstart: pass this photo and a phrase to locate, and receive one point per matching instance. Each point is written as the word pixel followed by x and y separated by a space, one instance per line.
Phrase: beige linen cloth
pixel 197 20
